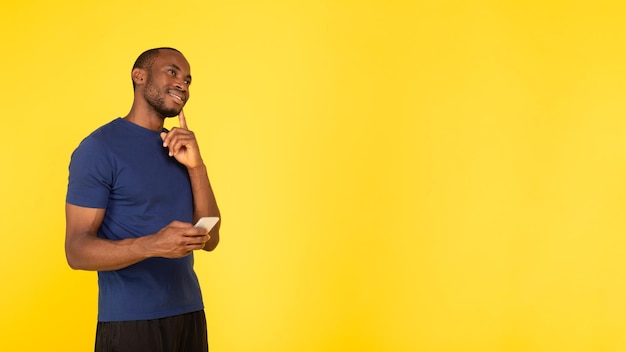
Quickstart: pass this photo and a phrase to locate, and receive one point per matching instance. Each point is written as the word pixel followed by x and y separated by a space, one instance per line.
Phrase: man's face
pixel 167 83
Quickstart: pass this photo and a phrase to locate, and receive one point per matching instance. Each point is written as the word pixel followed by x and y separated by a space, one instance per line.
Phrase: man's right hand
pixel 175 240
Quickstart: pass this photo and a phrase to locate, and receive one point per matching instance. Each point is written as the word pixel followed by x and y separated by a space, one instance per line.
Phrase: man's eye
pixel 171 72
pixel 187 82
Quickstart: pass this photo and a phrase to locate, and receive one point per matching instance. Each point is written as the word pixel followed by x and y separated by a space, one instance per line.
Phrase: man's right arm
pixel 86 251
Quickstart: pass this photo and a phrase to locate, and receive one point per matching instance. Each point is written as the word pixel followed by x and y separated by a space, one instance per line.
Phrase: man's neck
pixel 145 119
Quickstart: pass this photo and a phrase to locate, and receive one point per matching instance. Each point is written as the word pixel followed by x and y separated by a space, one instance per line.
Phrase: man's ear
pixel 139 76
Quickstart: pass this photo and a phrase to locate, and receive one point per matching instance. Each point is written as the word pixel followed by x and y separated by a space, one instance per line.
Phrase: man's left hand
pixel 182 144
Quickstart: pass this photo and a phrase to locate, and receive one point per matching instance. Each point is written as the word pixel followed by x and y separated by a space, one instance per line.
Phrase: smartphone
pixel 207 222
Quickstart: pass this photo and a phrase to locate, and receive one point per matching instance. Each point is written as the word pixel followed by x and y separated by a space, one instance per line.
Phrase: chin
pixel 170 113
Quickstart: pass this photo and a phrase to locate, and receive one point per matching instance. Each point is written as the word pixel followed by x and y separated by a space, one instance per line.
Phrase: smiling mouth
pixel 177 97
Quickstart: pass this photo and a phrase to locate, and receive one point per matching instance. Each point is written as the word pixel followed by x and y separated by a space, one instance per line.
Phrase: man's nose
pixel 180 84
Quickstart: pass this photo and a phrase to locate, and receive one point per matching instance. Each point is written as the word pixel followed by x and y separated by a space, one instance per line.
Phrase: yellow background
pixel 393 175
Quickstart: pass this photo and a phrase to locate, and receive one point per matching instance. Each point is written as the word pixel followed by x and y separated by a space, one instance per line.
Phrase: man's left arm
pixel 183 146
pixel 204 203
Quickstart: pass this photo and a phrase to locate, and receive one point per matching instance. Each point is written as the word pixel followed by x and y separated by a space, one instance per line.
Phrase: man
pixel 134 192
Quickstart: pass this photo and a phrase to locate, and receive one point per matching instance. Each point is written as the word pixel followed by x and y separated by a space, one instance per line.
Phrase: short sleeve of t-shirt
pixel 90 175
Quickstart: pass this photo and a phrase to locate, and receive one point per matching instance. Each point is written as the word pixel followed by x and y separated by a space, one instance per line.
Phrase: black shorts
pixel 180 333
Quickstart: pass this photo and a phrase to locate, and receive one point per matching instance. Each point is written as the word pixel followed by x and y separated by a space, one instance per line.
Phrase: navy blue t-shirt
pixel 123 168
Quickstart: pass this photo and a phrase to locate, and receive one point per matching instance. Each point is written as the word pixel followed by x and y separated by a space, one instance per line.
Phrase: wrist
pixel 139 248
pixel 200 168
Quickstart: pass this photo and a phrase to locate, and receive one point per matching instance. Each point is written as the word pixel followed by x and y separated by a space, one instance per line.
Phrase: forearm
pixel 96 254
pixel 204 203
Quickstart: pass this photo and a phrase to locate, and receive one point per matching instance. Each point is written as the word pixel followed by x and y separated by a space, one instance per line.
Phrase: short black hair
pixel 146 59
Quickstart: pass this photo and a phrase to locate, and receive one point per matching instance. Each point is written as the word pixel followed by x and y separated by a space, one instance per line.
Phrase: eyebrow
pixel 178 68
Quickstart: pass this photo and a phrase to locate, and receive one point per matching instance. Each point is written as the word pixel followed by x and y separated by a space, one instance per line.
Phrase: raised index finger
pixel 181 119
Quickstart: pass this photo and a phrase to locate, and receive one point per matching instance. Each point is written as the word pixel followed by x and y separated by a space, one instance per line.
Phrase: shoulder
pixel 95 148
pixel 107 131
pixel 100 137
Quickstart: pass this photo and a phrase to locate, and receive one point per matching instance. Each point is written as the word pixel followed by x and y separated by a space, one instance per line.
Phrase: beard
pixel 155 99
